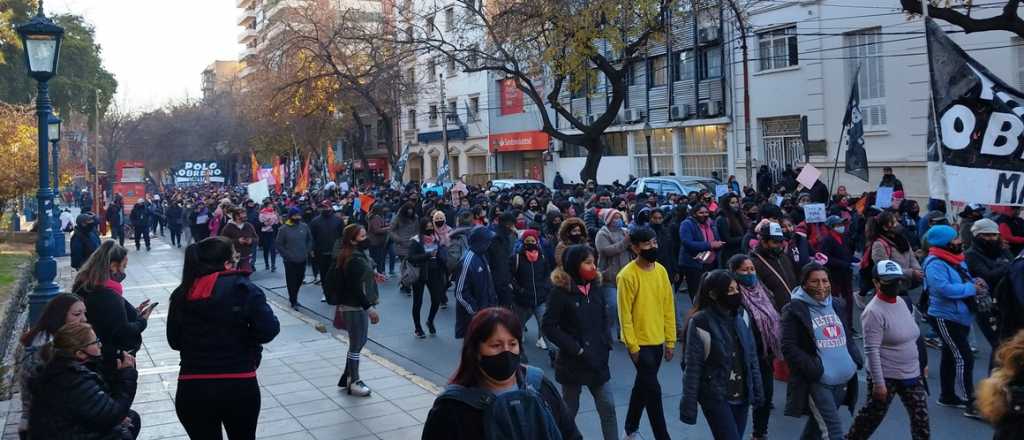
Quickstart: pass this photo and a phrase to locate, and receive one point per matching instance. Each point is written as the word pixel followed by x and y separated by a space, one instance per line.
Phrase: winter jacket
pixel 235 233
pixel 474 287
pixel 139 216
pixel 359 286
pixel 563 237
pixel 711 337
pixel 574 321
pixel 530 280
pixel 175 216
pixel 72 401
pixel 693 242
pixel 839 263
pixel 800 351
pixel 991 268
pixel 294 242
pixel 947 290
pixel 377 231
pixel 612 252
pixel 777 275
pixel 326 230
pixel 499 255
pixel 732 237
pixel 883 249
pixel 433 270
pixel 402 230
pixel 668 248
pixel 799 251
pixel 116 322
pixel 450 419
pixel 220 325
pixel 115 214
pixel 269 220
pixel 83 243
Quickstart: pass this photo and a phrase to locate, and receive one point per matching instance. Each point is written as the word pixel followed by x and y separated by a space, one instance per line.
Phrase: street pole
pixel 444 124
pixel 746 101
pixel 46 266
pixel 650 161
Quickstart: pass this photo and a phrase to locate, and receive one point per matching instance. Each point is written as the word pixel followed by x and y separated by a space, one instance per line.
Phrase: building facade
pixel 218 77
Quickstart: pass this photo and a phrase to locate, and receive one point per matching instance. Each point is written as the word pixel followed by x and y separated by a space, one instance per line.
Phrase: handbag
pixel 409 274
pixel 780 369
pixel 339 319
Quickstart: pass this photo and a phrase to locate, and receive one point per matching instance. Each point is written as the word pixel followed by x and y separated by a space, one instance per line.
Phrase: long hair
pixel 480 329
pixel 713 286
pixel 877 223
pixel 96 270
pixel 52 317
pixel 348 235
pixel 737 220
pixel 203 258
pixel 993 399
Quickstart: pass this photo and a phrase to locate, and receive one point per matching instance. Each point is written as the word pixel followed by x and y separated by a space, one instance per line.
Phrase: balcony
pixel 247 35
pixel 246 71
pixel 247 17
pixel 243 4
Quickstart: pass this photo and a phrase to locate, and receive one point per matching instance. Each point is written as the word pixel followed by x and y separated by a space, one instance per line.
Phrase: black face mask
pixel 530 247
pixel 118 276
pixel 501 366
pixel 891 290
pixel 439 223
pixel 731 303
pixel 363 244
pixel 651 255
pixel 955 249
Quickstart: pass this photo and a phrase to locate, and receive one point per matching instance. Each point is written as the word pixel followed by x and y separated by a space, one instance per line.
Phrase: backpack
pixel 456 249
pixel 520 414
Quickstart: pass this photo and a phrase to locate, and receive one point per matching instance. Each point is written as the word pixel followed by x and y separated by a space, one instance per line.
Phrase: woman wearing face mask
pixel 613 254
pixel 720 362
pixel 441 228
pixel 764 325
pixel 700 246
pixel 530 288
pixel 218 321
pixel 404 227
pixel 243 236
pixel 950 290
pixel 427 253
pixel 574 322
pixel 833 244
pixel 269 223
pixel 65 308
pixel 888 242
pixel 72 397
pixel 84 241
pixel 988 259
pixel 118 323
pixel 571 232
pixel 490 366
pixel 823 359
pixel 552 223
pixel 731 225
pixel 356 299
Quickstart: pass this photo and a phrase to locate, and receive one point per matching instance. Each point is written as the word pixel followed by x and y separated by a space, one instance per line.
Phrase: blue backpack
pixel 519 414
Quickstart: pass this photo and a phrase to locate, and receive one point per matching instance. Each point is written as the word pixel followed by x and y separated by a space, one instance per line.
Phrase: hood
pixel 561 278
pixel 801 295
pixel 480 239
pixel 567 224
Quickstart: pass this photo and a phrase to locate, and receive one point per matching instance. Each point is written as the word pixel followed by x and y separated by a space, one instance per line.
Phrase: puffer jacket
pixel 947 291
pixel 575 321
pixel 707 361
pixel 530 285
pixel 116 322
pixel 563 237
pixel 73 402
pixel 402 231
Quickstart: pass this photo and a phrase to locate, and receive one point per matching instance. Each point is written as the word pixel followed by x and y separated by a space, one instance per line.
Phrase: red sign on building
pixel 511 98
pixel 518 141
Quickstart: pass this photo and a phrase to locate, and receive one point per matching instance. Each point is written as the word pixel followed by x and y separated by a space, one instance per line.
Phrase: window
pixel 684 65
pixel 1018 45
pixel 777 48
pixel 474 108
pixel 452 113
pixel 432 69
pixel 471 56
pixel 864 52
pixel 451 67
pixel 657 71
pixel 433 115
pixel 412 119
pixel 661 152
pixel 430 26
pixel 631 73
pixel 710 63
pixel 449 19
pixel 704 151
pixel 614 145
pixel 367 131
pixel 782 145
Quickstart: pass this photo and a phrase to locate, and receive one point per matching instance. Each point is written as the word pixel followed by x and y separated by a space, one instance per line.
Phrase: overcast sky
pixel 158 48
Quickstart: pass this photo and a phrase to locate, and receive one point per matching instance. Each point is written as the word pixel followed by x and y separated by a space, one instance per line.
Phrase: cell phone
pixel 152 306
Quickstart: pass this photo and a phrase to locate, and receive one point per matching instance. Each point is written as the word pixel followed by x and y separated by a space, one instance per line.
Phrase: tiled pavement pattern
pixel 298 376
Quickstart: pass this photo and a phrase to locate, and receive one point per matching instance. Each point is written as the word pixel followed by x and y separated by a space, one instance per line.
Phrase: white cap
pixel 888 270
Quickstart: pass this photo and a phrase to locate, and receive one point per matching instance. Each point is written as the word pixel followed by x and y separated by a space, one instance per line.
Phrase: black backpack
pixel 520 414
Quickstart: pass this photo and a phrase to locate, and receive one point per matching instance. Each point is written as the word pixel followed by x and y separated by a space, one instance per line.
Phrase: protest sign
pixel 258 191
pixel 808 175
pixel 814 213
pixel 883 198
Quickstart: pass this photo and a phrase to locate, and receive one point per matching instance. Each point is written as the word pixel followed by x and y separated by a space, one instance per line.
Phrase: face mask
pixel 576 237
pixel 501 366
pixel 747 279
pixel 363 244
pixel 891 290
pixel 408 213
pixel 439 223
pixel 841 229
pixel 520 224
pixel 616 223
pixel 775 251
pixel 651 255
pixel 732 303
pixel 118 276
pixel 530 247
pixel 989 245
pixel 955 249
pixel 588 273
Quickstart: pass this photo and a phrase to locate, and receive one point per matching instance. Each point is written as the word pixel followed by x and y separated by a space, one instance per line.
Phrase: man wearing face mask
pixel 326 230
pixel 84 241
pixel 773 267
pixel 988 259
pixel 294 242
pixel 499 255
pixel 951 292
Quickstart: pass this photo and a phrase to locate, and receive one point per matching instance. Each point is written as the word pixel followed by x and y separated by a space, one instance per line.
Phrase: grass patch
pixel 11 265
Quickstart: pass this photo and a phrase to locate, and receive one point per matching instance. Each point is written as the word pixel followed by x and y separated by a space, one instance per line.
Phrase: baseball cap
pixel 888 270
pixel 773 232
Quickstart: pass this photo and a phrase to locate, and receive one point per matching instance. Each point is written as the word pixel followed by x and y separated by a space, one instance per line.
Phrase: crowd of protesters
pixel 743 288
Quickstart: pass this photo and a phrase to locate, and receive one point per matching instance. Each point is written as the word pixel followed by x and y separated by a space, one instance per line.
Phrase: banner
pixel 443 172
pixel 131 171
pixel 197 173
pixel 511 97
pixel 399 167
pixel 330 162
pixel 979 129
pixel 276 172
pixel 856 155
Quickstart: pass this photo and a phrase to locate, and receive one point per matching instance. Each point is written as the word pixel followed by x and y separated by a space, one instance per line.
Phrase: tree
pixel 959 13
pixel 19 150
pixel 551 48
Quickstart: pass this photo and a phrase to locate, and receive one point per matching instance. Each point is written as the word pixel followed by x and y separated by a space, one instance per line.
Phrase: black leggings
pixel 436 298
pixel 203 406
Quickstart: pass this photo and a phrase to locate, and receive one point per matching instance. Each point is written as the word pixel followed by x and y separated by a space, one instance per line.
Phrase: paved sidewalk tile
pixel 298 375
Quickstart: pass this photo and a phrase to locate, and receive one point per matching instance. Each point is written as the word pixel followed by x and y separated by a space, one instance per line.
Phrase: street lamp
pixel 41 39
pixel 648 131
pixel 53 131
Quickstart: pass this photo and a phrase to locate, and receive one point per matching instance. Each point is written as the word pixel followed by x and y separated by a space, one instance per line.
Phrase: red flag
pixel 366 202
pixel 277 174
pixel 255 167
pixel 302 184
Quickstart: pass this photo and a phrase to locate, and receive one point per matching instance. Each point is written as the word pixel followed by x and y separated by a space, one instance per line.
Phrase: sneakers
pixel 953 403
pixel 541 344
pixel 358 388
pixel 972 413
pixel 935 343
pixel 420 335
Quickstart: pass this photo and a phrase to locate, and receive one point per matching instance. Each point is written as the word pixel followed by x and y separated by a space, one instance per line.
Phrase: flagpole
pixel 835 166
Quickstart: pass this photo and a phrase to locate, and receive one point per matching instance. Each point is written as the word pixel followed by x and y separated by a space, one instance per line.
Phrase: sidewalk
pixel 298 375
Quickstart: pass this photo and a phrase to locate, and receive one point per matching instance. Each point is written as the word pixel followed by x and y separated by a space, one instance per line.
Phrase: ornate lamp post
pixel 648 131
pixel 53 131
pixel 41 39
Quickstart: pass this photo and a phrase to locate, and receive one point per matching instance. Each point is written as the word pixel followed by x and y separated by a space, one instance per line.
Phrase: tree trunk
pixel 595 151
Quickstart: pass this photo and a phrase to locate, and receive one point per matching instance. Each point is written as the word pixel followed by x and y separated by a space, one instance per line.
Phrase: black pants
pixel 141 231
pixel 324 261
pixel 693 276
pixel 293 275
pixel 956 371
pixel 762 413
pixel 314 264
pixel 268 248
pixel 647 393
pixel 199 232
pixel 117 233
pixel 379 255
pixel 175 234
pixel 436 294
pixel 203 406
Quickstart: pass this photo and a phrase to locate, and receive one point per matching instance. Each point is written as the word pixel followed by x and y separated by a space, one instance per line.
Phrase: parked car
pixel 500 184
pixel 666 185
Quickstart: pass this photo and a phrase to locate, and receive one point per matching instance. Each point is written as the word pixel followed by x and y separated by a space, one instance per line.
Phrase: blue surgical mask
pixel 747 279
pixel 841 229
pixel 617 223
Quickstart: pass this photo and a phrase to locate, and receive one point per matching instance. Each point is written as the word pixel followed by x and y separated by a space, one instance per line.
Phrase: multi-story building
pixel 218 77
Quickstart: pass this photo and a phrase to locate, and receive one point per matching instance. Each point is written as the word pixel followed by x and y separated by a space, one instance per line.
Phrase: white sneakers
pixel 541 344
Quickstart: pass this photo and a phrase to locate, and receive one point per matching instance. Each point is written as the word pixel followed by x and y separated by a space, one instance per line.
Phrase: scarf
pixel 758 302
pixel 709 236
pixel 428 239
pixel 954 260
pixel 532 256
pixel 114 286
pixel 584 289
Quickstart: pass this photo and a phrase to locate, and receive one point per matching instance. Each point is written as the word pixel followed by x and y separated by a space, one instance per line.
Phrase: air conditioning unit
pixel 632 114
pixel 683 111
pixel 707 34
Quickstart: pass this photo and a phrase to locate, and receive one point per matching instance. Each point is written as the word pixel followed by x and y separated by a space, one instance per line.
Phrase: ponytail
pixel 203 258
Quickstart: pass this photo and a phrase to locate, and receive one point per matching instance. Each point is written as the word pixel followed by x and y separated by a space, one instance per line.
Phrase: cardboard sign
pixel 883 198
pixel 815 213
pixel 808 175
pixel 721 190
pixel 258 191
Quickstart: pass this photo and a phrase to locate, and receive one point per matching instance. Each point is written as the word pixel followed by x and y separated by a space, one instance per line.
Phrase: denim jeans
pixel 603 400
pixel 726 420
pixel 824 422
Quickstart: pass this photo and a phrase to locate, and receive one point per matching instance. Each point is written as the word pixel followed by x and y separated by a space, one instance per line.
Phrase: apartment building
pixel 218 77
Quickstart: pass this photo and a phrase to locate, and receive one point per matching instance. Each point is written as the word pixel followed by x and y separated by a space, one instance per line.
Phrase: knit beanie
pixel 940 235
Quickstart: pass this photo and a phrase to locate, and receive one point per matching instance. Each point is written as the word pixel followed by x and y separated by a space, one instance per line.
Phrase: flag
pixel 856 155
pixel 366 202
pixel 398 168
pixel 330 162
pixel 442 173
pixel 255 167
pixel 276 172
pixel 302 183
pixel 975 128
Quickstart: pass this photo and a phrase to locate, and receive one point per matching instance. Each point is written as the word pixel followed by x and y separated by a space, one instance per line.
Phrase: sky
pixel 157 49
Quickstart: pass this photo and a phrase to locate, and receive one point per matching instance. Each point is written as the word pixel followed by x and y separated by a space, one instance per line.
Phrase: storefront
pixel 378 166
pixel 520 154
